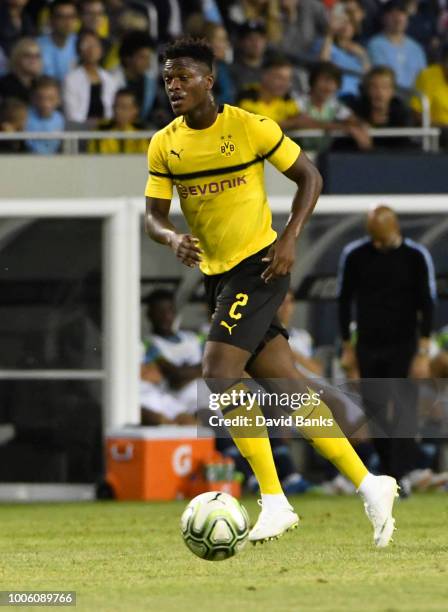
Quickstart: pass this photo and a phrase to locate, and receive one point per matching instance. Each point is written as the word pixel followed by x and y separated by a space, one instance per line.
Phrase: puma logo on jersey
pixel 173 152
pixel 228 327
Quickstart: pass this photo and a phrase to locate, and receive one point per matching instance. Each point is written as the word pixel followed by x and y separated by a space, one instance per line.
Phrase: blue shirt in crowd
pixel 406 60
pixel 36 123
pixel 58 61
pixel 345 61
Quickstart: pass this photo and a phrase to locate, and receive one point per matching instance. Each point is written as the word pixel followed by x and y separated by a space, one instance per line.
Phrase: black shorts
pixel 243 306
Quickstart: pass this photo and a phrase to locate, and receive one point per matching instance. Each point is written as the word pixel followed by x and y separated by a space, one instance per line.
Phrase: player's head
pixel 188 74
pixel 383 227
pixel 161 311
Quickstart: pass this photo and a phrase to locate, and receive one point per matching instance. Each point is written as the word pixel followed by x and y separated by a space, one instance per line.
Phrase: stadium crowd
pixel 333 65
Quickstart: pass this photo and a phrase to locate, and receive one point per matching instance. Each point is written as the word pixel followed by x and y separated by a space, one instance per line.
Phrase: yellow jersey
pixel 114 146
pixel 432 82
pixel 219 175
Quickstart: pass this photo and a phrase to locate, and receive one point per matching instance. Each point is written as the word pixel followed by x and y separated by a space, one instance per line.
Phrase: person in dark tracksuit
pixel 390 280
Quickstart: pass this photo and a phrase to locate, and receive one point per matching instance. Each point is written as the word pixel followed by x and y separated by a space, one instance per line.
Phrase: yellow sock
pixel 334 446
pixel 253 443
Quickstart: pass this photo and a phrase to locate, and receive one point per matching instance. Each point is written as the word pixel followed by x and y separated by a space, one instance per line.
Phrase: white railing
pixel 429 135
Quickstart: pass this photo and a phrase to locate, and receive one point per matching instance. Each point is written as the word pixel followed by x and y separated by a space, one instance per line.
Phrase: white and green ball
pixel 215 526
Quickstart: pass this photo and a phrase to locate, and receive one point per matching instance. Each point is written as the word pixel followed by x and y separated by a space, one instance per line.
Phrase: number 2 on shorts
pixel 241 300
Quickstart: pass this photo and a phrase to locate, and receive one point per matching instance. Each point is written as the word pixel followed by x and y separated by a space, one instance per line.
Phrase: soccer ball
pixel 214 526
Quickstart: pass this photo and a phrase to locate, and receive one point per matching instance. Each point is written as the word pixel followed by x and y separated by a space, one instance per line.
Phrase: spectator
pixel 391 281
pixel 216 35
pixel 379 106
pixel 126 20
pixel 394 49
pixel 13 115
pixel 302 22
pixel 356 13
pixel 300 340
pixel 364 16
pixel 177 354
pixel 433 83
pixel 339 47
pixel 59 46
pixel 266 12
pixel 250 49
pixel 124 120
pixel 136 71
pixel 14 23
pixel 43 115
pixel 422 26
pixel 322 110
pixel 272 97
pixel 88 89
pixel 25 67
pixel 92 15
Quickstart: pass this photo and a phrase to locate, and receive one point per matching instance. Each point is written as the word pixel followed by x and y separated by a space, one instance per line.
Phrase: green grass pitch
pixel 130 557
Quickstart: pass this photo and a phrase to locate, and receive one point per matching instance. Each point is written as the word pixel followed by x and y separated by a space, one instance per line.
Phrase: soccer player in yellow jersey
pixel 214 156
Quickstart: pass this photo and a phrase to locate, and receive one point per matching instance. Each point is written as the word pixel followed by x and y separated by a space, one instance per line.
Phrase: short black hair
pixel 159 295
pixel 44 81
pixel 327 69
pixel 85 33
pixel 132 42
pixel 126 91
pixel 276 60
pixel 394 5
pixel 379 71
pixel 57 3
pixel 196 48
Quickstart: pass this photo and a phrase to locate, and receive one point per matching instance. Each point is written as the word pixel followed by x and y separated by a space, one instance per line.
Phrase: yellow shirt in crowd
pixel 115 146
pixel 432 82
pixel 278 109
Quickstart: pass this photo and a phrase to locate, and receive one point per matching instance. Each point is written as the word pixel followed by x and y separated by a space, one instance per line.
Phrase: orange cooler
pixel 155 463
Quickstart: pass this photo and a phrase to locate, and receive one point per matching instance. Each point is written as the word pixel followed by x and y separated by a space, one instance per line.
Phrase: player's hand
pixel 186 248
pixel 280 257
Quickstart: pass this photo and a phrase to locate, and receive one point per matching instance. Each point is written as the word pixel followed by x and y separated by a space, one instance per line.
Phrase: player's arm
pixel 159 228
pixel 309 182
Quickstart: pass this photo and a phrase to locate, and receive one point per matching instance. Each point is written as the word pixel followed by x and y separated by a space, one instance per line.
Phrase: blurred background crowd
pixel 332 65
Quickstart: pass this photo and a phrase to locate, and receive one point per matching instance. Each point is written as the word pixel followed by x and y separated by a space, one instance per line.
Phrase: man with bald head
pixel 390 280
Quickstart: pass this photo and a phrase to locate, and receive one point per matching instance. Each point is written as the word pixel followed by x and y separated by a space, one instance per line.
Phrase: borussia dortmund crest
pixel 227 147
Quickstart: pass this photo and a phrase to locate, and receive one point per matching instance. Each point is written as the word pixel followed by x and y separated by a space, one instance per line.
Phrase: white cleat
pixel 379 510
pixel 271 524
